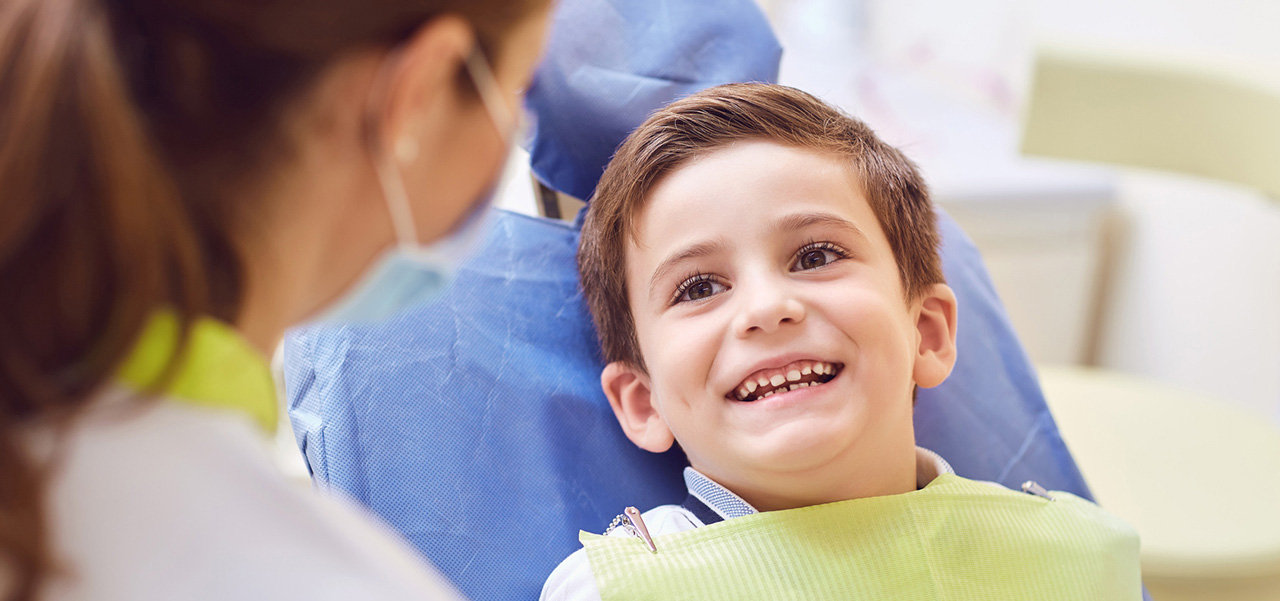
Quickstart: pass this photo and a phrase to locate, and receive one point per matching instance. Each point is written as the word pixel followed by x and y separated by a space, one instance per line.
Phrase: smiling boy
pixel 764 277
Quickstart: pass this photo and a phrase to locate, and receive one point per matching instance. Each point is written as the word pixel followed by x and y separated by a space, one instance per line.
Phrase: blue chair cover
pixel 476 426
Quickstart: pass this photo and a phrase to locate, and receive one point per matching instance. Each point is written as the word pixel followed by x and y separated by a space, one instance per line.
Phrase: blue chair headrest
pixel 609 63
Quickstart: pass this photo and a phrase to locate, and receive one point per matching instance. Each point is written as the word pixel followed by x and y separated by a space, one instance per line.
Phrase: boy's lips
pixel 775 380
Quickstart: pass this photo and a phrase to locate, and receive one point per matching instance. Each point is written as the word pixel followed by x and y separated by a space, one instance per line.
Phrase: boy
pixel 764 277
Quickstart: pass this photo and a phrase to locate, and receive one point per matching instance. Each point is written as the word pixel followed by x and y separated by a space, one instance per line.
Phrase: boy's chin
pixel 800 452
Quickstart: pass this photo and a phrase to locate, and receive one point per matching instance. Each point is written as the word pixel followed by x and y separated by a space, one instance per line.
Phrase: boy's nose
pixel 766 307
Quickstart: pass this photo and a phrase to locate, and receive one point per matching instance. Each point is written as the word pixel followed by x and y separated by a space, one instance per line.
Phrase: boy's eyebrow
pixel 800 221
pixel 700 249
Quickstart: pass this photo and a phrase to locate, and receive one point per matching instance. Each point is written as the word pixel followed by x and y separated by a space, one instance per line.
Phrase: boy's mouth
pixel 776 380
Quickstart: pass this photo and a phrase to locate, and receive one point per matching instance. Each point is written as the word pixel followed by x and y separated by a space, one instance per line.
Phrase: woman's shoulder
pixel 161 500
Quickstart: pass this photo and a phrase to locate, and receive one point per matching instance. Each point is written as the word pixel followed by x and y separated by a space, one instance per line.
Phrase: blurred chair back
pixel 1188 117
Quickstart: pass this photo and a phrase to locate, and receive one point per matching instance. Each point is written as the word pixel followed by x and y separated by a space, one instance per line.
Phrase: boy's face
pixel 753 265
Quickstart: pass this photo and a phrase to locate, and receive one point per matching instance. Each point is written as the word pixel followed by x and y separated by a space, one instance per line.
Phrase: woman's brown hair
pixel 126 127
pixel 714 118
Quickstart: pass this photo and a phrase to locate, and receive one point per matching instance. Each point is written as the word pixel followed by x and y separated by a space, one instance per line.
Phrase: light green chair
pixel 1198 478
pixel 1202 119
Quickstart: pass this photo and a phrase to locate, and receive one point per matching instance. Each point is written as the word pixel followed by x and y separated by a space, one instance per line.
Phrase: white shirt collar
pixel 929 465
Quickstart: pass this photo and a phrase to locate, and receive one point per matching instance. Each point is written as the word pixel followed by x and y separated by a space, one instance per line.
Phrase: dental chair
pixel 476 425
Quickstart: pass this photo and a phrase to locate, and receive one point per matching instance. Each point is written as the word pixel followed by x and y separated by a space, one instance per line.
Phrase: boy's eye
pixel 815 255
pixel 813 258
pixel 697 288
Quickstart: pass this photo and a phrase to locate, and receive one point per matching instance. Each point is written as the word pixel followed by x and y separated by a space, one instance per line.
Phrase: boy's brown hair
pixel 717 117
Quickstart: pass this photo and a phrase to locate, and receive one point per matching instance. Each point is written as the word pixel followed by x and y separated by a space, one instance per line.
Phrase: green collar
pixel 218 369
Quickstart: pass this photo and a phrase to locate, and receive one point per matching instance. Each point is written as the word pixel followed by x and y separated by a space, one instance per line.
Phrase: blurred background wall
pixel 1165 276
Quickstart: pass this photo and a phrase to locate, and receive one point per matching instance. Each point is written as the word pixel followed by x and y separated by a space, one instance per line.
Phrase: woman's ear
pixel 633 404
pixel 419 80
pixel 936 331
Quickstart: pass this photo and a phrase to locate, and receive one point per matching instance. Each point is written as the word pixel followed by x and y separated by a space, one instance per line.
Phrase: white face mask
pixel 413 273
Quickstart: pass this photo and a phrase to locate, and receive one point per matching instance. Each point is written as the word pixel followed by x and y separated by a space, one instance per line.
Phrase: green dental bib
pixel 954 539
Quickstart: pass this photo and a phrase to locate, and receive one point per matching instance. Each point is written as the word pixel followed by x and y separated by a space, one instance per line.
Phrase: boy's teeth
pixel 813 373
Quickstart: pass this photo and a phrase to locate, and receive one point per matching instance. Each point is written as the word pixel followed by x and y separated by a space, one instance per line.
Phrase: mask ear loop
pixel 491 95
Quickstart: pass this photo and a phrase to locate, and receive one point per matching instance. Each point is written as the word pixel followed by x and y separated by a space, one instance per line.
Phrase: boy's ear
pixel 936 329
pixel 632 400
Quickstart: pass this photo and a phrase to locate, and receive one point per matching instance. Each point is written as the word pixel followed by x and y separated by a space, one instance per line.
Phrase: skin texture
pixel 324 219
pixel 793 265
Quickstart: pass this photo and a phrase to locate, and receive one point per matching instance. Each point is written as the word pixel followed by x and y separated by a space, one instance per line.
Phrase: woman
pixel 182 180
